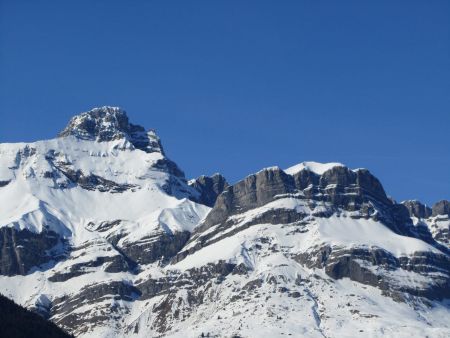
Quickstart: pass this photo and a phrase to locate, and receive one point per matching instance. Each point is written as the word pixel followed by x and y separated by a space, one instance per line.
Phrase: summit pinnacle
pixel 108 124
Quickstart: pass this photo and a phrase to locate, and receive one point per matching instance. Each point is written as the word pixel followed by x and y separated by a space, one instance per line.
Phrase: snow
pixel 26 200
pixel 35 200
pixel 367 232
pixel 315 167
pixel 273 168
pixel 326 307
pixel 341 231
pixel 439 226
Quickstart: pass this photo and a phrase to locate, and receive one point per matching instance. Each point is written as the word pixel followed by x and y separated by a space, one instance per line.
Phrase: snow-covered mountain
pixel 101 233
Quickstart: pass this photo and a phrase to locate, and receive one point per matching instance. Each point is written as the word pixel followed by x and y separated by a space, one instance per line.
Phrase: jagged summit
pixel 111 123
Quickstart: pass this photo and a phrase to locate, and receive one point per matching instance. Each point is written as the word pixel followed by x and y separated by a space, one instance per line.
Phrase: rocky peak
pixel 336 184
pixel 417 209
pixel 441 208
pixel 108 124
pixel 209 188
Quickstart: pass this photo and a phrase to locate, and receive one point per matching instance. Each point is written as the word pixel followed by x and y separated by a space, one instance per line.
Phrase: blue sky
pixel 234 86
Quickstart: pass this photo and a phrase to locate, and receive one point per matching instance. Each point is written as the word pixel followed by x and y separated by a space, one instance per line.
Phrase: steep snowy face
pixel 99 162
pixel 82 214
pixel 108 124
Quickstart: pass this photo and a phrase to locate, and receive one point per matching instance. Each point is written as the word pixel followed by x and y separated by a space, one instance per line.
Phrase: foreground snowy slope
pixel 101 233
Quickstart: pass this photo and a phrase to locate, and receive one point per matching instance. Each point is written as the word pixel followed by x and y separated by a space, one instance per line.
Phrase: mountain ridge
pixel 110 239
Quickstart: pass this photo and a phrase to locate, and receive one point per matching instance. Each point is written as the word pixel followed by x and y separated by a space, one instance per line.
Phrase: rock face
pixel 357 191
pixel 22 250
pixel 435 220
pixel 336 191
pixel 68 314
pixel 441 208
pixel 101 233
pixel 417 209
pixel 358 264
pixel 158 247
pixel 209 188
pixel 339 186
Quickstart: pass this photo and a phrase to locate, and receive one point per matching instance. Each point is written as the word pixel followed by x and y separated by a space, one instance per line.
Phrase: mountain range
pixel 102 234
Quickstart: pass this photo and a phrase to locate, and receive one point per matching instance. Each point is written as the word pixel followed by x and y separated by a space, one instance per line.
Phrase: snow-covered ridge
pixel 315 167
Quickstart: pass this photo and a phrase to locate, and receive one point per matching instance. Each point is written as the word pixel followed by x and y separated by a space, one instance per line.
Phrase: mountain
pixel 101 233
pixel 17 322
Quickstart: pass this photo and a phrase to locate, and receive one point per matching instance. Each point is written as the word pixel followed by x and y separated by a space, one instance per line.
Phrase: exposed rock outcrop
pixel 441 208
pixel 417 209
pixel 108 124
pixel 22 250
pixel 380 268
pixel 209 188
pixel 158 247
pixel 339 188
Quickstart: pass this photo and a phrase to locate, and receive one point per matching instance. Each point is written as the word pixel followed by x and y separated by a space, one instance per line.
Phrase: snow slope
pixel 31 194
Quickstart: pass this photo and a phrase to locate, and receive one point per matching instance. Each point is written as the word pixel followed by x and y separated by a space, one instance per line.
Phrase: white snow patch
pixel 315 167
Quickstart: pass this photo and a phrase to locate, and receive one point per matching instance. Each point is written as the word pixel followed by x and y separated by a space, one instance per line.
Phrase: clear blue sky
pixel 234 86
